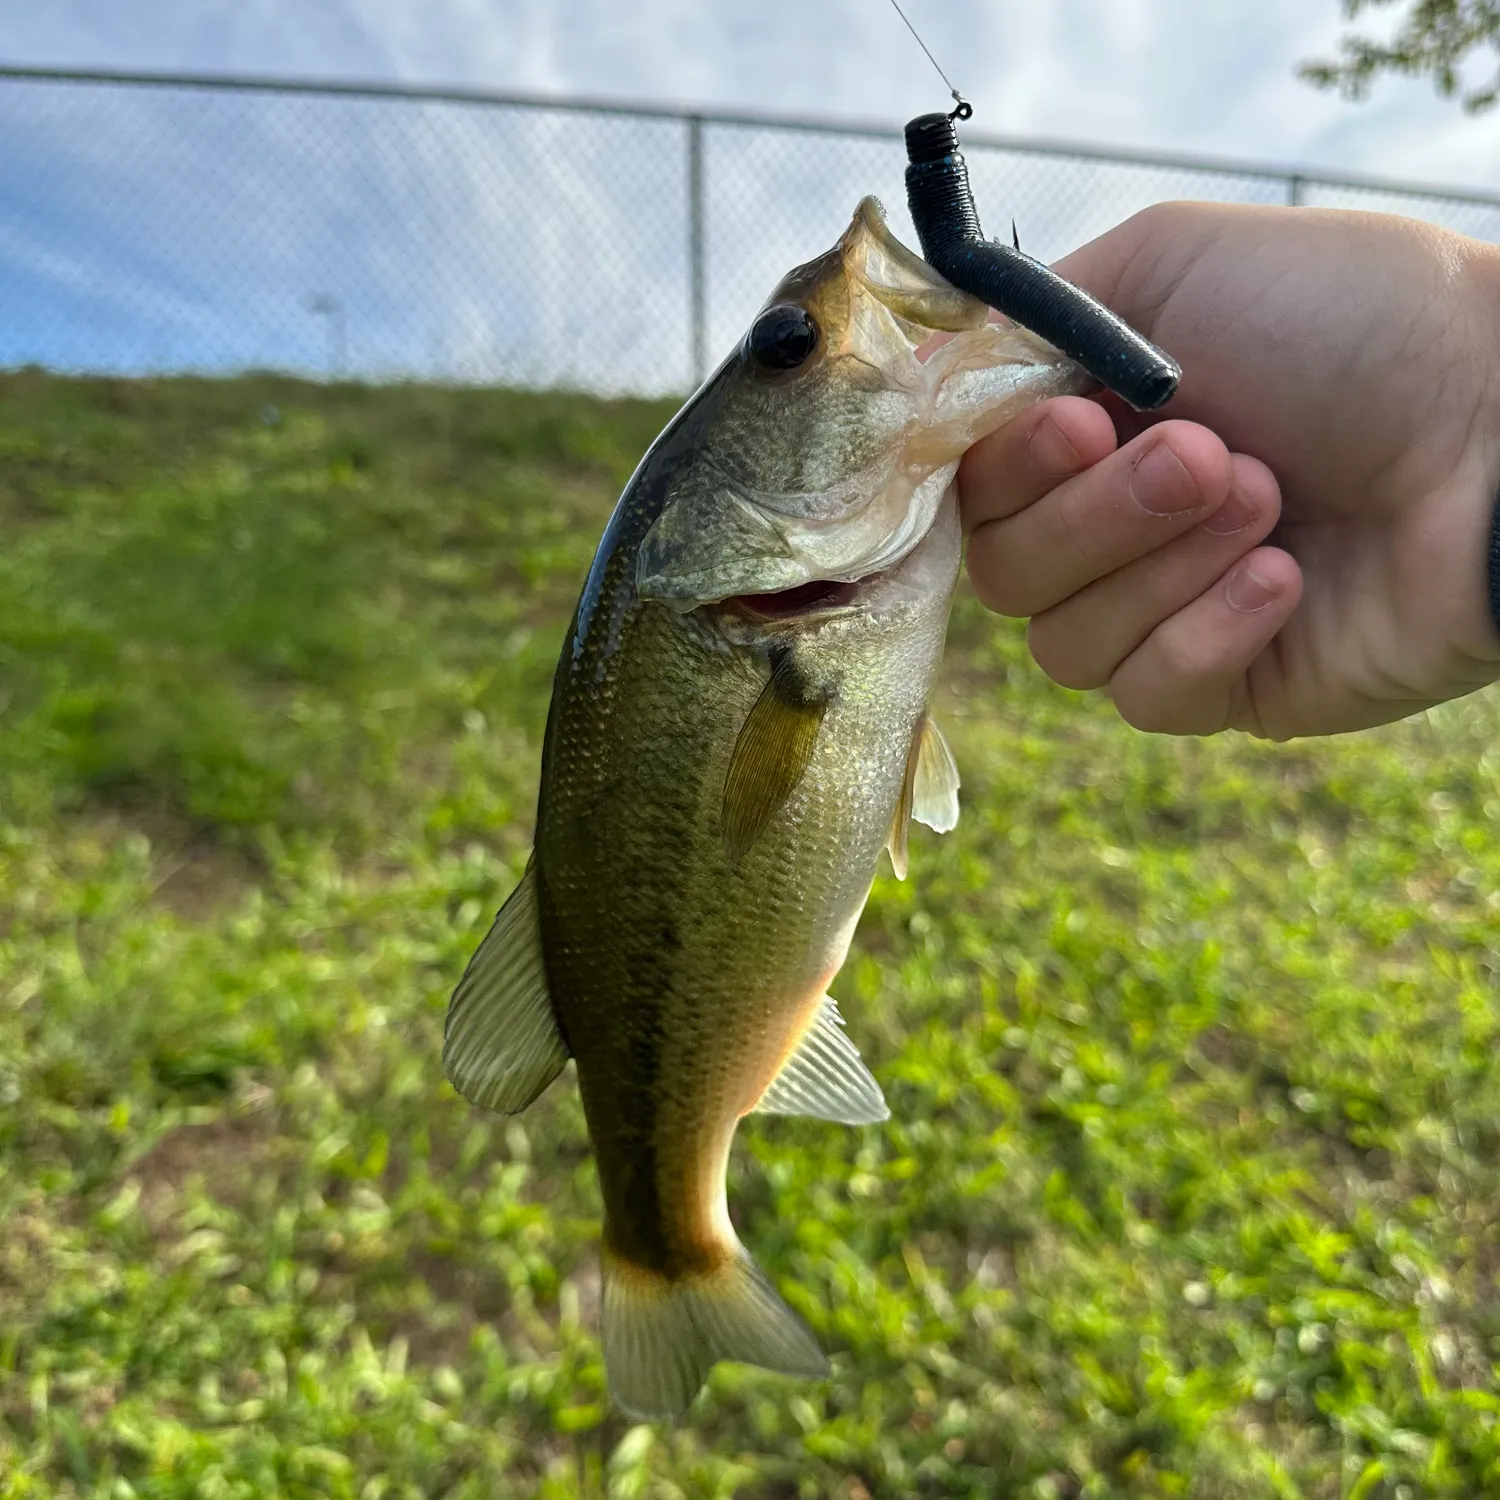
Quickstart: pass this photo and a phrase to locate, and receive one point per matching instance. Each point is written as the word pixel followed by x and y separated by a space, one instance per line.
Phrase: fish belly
pixel 682 981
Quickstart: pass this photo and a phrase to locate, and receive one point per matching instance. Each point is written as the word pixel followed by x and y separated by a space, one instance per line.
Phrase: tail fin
pixel 661 1337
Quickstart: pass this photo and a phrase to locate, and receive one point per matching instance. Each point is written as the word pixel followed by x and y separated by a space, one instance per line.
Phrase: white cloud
pixel 1188 74
pixel 545 248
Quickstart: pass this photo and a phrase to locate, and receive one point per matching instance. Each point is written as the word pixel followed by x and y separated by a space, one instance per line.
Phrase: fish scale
pixel 739 725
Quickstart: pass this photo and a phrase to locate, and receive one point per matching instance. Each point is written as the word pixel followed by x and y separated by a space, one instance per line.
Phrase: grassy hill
pixel 1191 1184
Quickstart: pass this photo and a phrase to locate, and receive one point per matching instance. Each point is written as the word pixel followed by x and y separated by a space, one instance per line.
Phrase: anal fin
pixel 825 1078
pixel 501 1045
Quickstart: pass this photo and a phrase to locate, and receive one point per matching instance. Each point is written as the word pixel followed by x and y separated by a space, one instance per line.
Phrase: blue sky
pixel 172 231
pixel 1214 75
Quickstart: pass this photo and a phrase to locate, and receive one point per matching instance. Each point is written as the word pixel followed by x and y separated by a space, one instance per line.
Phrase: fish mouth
pixel 918 297
pixel 818 597
pixel 916 372
pixel 940 343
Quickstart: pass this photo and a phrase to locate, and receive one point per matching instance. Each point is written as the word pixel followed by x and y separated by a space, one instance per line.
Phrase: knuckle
pixel 1155 215
pixel 983 499
pixel 994 593
pixel 994 580
pixel 993 478
pixel 1172 694
pixel 1167 217
pixel 1067 661
pixel 1264 500
pixel 1153 714
pixel 1078 528
pixel 1180 660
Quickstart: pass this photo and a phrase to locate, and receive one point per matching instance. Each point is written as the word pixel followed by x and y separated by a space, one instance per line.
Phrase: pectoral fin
pixel 501 1045
pixel 934 780
pixel 825 1078
pixel 895 843
pixel 929 792
pixel 770 755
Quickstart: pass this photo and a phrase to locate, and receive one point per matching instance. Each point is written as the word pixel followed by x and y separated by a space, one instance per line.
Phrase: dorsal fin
pixel 501 1045
pixel 825 1078
pixel 770 755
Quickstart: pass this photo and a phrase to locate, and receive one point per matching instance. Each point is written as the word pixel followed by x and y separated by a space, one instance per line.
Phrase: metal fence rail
pixel 154 223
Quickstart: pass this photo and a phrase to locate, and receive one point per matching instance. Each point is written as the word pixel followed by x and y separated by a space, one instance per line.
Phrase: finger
pixel 1132 502
pixel 1189 676
pixel 1135 267
pixel 1010 469
pixel 1080 642
pixel 1129 423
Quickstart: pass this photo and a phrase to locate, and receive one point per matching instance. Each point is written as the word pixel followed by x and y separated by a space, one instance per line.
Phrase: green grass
pixel 1191 1185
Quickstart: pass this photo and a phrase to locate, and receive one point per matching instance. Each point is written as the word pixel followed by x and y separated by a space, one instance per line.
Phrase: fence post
pixel 697 318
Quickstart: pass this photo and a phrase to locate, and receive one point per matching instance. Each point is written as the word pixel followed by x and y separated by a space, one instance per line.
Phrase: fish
pixel 739 726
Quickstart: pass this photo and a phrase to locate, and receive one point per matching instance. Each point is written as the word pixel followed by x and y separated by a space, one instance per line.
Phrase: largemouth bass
pixel 738 728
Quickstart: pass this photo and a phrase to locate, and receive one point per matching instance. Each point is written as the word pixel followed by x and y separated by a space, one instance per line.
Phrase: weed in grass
pixel 1190 1185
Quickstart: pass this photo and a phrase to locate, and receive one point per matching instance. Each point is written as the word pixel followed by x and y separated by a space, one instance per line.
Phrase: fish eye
pixel 782 337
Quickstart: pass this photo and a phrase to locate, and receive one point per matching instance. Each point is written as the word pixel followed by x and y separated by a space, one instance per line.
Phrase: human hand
pixel 1353 353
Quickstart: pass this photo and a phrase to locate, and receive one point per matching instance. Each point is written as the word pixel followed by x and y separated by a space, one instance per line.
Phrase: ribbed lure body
pixel 1016 284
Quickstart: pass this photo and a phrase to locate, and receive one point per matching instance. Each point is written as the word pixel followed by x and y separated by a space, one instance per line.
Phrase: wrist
pixel 1480 474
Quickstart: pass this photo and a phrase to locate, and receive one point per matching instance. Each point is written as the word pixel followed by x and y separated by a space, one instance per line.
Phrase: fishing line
pixel 1012 282
pixel 965 109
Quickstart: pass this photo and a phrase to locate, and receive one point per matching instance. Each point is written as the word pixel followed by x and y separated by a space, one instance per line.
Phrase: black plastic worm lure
pixel 1018 285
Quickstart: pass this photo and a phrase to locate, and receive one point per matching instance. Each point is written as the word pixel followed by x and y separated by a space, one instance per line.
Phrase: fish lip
pixel 869 216
pixel 889 274
pixel 870 220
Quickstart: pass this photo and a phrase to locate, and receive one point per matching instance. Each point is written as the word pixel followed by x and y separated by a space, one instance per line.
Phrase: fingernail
pixel 1161 485
pixel 1249 591
pixel 1235 514
pixel 1050 451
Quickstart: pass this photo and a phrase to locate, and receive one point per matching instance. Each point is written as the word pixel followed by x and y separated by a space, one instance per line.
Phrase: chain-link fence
pixel 181 224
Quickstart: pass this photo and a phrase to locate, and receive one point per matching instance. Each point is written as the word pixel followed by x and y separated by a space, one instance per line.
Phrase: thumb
pixel 1134 268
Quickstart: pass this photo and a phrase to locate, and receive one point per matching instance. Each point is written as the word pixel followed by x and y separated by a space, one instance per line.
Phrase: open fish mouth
pixel 817 597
